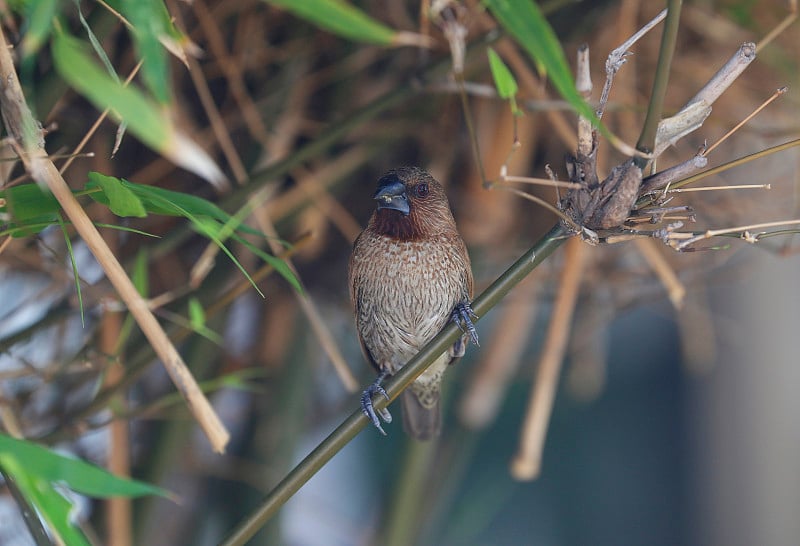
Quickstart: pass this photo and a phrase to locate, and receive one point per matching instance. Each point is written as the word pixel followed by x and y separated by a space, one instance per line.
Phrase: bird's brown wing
pixel 355 298
pixel 365 350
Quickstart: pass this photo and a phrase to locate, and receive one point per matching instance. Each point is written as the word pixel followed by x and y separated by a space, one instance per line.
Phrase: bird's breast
pixel 405 292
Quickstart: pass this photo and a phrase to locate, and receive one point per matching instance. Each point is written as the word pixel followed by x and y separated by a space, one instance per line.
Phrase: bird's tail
pixel 419 422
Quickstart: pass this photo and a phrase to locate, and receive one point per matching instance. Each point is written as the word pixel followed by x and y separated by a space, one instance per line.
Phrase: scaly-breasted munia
pixel 409 275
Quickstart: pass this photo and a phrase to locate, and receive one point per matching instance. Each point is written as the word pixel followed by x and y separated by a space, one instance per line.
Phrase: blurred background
pixel 674 423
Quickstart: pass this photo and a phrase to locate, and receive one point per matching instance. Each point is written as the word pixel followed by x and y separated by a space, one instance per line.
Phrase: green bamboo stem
pixel 356 421
pixel 410 487
pixel 655 109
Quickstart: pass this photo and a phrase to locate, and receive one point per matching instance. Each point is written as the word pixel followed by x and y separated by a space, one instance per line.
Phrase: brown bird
pixel 409 275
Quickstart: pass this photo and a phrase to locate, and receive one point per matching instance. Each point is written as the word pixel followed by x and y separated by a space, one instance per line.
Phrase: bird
pixel 409 275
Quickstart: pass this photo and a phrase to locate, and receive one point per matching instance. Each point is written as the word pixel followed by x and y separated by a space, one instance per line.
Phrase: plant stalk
pixel 655 109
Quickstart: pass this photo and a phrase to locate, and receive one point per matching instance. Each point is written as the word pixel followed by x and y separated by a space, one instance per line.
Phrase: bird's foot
pixel 369 410
pixel 462 315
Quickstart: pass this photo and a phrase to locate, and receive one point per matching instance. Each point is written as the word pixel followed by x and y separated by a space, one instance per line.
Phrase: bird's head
pixel 411 205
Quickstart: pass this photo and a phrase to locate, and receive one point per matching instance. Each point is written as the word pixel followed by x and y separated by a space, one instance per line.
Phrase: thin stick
pixel 19 120
pixel 217 123
pixel 744 229
pixel 309 308
pixel 528 461
pixel 736 162
pixel 666 177
pixel 252 117
pixel 783 25
pixel 540 202
pixel 658 263
pixel 583 84
pixel 486 390
pixel 5 244
pixel 119 510
pixel 96 125
pixel 775 95
pixel 541 182
pixel 617 58
pixel 716 188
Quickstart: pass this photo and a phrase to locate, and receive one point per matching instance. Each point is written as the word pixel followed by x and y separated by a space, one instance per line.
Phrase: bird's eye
pixel 422 190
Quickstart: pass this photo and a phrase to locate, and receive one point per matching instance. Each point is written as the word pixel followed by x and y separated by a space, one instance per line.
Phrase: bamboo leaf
pixel 172 38
pixel 39 20
pixel 121 200
pixel 503 80
pixel 148 29
pixel 146 119
pixel 279 265
pixel 197 322
pixel 157 200
pixel 197 316
pixel 40 474
pixel 206 217
pixel 78 475
pixel 54 508
pixel 340 18
pixel 523 20
pixel 74 265
pixel 31 209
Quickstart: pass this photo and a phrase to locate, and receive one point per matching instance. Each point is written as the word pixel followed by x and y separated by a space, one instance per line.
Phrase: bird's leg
pixel 462 315
pixel 369 409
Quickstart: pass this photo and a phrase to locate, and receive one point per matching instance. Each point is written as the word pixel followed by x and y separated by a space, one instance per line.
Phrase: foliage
pixel 41 474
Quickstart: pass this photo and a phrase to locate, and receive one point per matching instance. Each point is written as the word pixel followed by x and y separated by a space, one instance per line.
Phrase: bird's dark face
pixel 411 205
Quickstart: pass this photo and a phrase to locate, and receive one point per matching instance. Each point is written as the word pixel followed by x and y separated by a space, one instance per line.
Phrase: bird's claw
pixel 370 411
pixel 462 316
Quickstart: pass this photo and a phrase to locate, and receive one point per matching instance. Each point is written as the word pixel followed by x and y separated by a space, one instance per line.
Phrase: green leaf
pixel 25 230
pixel 206 217
pixel 197 322
pixel 171 36
pixel 277 264
pixel 145 118
pixel 141 277
pixel 121 200
pixel 31 209
pixel 340 18
pixel 96 46
pixel 39 21
pixel 212 229
pixel 503 80
pixel 54 508
pixel 523 20
pixel 157 200
pixel 39 474
pixel 78 475
pixel 74 265
pixel 197 315
pixel 149 25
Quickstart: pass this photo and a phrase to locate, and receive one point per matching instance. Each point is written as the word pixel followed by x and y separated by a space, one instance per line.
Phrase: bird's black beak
pixel 391 194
